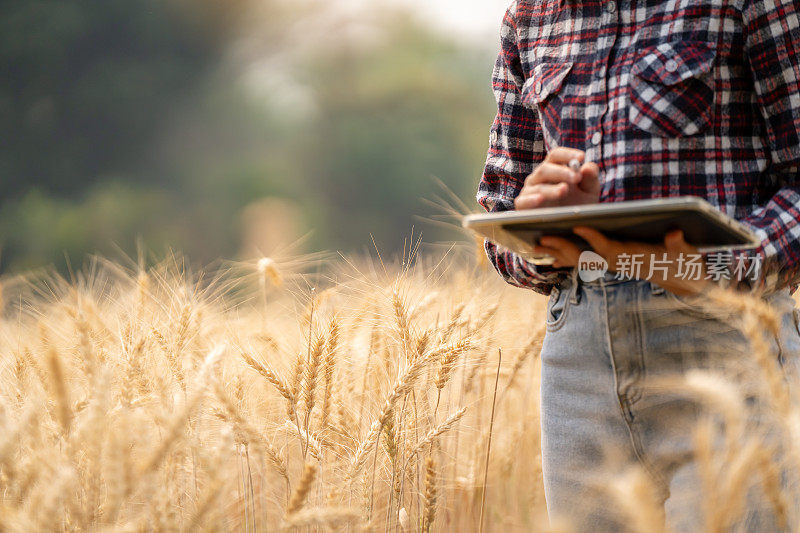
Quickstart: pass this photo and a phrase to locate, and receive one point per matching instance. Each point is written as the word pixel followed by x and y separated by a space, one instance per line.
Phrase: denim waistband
pixel 609 278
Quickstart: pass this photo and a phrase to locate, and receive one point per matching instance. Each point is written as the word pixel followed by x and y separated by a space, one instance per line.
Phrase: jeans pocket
pixel 557 308
pixel 694 305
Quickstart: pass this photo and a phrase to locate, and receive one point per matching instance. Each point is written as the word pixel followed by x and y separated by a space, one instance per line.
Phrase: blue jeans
pixel 606 341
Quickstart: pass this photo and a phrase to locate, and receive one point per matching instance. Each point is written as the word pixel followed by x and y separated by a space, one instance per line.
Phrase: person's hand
pixel 553 183
pixel 567 254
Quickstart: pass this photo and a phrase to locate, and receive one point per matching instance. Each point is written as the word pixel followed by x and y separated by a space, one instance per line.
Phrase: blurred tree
pixel 85 85
pixel 392 115
pixel 166 119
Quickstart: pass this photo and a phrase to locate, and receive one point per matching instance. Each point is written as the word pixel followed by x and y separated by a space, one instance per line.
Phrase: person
pixel 653 98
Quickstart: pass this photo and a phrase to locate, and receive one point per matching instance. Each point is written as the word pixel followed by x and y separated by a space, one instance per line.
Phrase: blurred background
pixel 234 128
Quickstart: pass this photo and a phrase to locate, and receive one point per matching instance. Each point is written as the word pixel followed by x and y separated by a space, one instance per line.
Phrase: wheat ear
pixel 300 493
pixel 437 432
pixel 402 386
pixel 328 366
pixel 430 494
pixel 273 379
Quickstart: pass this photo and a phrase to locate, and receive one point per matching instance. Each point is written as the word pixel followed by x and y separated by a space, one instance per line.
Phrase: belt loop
pixel 656 289
pixel 573 298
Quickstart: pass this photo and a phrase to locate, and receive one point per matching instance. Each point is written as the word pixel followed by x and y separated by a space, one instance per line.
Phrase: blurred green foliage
pixel 127 119
pixel 84 86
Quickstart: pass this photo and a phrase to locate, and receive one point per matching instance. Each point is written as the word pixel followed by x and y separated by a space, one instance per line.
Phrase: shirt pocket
pixel 543 91
pixel 672 89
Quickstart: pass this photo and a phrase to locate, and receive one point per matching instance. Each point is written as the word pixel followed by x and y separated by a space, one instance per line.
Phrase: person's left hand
pixel 567 254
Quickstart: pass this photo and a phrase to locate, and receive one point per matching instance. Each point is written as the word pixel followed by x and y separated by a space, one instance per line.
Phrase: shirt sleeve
pixel 516 145
pixel 772 48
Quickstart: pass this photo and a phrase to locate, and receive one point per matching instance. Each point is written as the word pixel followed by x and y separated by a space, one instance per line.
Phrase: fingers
pixel 552 173
pixel 599 242
pixel 590 178
pixel 675 243
pixel 528 201
pixel 562 155
pixel 565 252
pixel 541 195
pixel 553 252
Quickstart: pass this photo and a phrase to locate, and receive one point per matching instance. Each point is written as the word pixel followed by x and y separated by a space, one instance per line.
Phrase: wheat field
pixel 335 395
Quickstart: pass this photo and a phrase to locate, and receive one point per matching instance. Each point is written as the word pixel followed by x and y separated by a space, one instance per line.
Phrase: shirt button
pixel 493 137
pixel 538 87
pixel 671 65
pixel 596 138
pixel 601 72
pixel 611 6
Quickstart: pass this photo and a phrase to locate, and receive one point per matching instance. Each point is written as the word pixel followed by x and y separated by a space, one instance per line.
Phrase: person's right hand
pixel 553 183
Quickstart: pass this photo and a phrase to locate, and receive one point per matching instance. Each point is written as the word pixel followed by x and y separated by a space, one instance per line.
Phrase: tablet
pixel 704 226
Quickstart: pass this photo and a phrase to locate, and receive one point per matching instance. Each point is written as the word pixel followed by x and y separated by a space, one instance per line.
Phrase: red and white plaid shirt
pixel 669 98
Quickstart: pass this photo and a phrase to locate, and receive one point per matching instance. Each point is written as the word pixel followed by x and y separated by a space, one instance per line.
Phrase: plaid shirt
pixel 669 98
